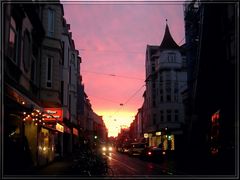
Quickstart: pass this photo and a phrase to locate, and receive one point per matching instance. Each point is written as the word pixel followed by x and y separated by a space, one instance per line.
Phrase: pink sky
pixel 112 39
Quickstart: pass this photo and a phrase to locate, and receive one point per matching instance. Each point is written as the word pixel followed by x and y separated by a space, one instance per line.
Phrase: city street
pixel 122 165
pixel 119 90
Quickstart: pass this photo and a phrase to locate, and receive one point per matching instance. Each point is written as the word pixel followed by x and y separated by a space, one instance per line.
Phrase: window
pixel 168 98
pixel 33 70
pixel 168 91
pixel 168 115
pixel 73 59
pixel 69 105
pixel 176 115
pixel 12 40
pixel 154 103
pixel 63 50
pixel 154 118
pixel 161 91
pixel 50 23
pixel 153 85
pixel 160 77
pixel 168 75
pixel 171 57
pixel 49 71
pixel 70 74
pixel 26 51
pixel 176 88
pixel 153 67
pixel 176 98
pixel 62 91
pixel 161 116
pixel 161 98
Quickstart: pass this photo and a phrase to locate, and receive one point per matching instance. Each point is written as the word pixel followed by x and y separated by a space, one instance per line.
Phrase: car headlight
pixel 110 148
pixel 104 149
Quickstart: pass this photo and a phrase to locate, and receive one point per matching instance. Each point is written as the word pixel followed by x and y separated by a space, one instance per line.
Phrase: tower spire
pixel 168 42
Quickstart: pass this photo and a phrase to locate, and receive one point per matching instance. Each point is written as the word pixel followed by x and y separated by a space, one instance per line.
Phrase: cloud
pixel 112 39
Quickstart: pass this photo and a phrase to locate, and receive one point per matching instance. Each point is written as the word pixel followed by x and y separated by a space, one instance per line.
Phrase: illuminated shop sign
pixel 145 135
pixel 53 114
pixel 75 131
pixel 59 127
pixel 158 133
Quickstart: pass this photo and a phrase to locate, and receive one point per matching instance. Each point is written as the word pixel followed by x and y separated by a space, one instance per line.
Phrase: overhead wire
pixel 104 99
pixel 113 75
pixel 122 104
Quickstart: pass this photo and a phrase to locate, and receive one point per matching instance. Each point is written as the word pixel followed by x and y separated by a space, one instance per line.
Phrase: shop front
pixel 43 133
pixel 163 138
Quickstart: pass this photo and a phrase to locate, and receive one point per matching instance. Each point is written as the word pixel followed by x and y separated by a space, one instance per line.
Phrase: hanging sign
pixel 53 114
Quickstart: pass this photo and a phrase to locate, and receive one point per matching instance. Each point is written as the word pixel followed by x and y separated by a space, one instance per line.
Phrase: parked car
pixel 137 148
pixel 124 148
pixel 153 153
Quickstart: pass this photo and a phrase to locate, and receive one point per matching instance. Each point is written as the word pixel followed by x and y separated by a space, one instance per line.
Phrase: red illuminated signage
pixel 53 114
pixel 215 117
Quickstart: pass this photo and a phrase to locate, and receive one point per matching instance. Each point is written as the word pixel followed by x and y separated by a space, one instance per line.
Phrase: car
pixel 137 148
pixel 106 148
pixel 124 147
pixel 153 153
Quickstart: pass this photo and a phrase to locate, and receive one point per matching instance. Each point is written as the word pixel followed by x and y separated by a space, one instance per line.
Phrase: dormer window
pixel 171 57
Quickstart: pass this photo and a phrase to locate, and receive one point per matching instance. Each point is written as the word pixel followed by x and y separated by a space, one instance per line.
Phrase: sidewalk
pixel 60 166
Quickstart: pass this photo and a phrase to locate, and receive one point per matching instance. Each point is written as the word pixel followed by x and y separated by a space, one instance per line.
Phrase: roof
pixel 168 42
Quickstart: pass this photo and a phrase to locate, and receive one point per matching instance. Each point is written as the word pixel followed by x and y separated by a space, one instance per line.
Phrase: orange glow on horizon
pixel 115 120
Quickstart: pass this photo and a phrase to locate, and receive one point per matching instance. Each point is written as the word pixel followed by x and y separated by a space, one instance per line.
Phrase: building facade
pixel 166 78
pixel 214 113
pixel 23 36
pixel 41 74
